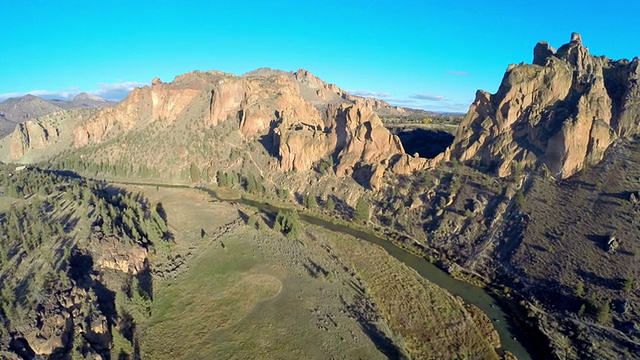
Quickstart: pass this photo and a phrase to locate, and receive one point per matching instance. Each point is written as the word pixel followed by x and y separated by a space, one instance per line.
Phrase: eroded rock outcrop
pixel 306 119
pixel 564 111
pixel 110 253
pixel 31 134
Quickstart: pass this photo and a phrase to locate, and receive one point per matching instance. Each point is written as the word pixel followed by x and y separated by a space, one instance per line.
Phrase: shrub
pixel 288 222
pixel 330 204
pixel 603 313
pixel 520 199
pixel 362 210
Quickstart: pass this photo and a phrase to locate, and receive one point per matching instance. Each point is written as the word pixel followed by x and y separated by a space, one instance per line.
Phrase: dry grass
pixel 428 320
pixel 216 294
pixel 564 243
pixel 252 298
pixel 234 303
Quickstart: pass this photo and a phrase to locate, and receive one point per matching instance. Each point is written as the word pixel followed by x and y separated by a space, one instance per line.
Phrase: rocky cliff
pixel 305 118
pixel 563 111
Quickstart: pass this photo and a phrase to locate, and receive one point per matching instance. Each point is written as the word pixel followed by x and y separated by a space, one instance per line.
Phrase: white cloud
pixel 367 93
pixel 45 94
pixel 446 107
pixel 429 97
pixel 49 95
pixel 116 92
pixel 10 95
pixel 401 101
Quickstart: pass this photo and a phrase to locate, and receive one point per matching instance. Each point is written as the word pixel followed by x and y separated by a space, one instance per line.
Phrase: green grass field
pixel 254 297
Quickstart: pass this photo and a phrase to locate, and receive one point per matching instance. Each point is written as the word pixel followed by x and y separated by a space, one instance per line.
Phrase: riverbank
pixel 412 254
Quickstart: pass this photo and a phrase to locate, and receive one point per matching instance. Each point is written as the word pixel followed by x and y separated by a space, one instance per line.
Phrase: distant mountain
pixel 17 110
pixel 84 101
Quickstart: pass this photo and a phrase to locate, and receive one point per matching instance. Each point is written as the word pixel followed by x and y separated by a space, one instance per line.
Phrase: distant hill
pixel 84 101
pixel 17 110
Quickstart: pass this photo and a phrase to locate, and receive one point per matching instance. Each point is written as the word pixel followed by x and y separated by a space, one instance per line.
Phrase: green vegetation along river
pixel 511 337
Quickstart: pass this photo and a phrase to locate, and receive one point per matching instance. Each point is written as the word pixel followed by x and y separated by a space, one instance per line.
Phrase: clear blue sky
pixel 426 54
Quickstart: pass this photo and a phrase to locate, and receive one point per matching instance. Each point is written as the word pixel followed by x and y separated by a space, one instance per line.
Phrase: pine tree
pixel 309 201
pixel 330 205
pixel 221 179
pixel 362 210
pixel 603 313
pixel 579 289
pixel 288 222
pixel 194 173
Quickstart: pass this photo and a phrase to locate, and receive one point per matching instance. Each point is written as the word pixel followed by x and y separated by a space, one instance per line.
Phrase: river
pixel 511 337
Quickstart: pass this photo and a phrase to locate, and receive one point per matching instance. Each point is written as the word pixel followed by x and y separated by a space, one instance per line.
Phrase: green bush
pixel 362 210
pixel 520 199
pixel 288 222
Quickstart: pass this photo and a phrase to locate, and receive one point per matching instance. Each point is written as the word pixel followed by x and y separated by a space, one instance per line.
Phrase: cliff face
pixel 306 119
pixel 31 135
pixel 564 111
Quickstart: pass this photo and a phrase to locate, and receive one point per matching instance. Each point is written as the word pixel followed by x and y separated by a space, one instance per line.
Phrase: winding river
pixel 511 337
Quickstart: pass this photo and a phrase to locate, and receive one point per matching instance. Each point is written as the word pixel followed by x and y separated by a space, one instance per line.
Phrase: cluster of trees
pixel 309 201
pixel 252 183
pixel 120 168
pixel 24 228
pixel 288 222
pixel 227 180
pixel 124 215
pixel 128 216
pixel 47 206
pixel 325 165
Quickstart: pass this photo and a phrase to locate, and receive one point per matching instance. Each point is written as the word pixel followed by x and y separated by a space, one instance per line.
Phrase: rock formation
pixel 563 111
pixel 34 135
pixel 307 119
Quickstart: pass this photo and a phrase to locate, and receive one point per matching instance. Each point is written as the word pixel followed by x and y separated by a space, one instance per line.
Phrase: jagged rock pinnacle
pixel 575 37
pixel 541 52
pixel 562 112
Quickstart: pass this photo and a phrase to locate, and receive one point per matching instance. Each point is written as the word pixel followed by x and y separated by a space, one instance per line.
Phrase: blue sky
pixel 425 54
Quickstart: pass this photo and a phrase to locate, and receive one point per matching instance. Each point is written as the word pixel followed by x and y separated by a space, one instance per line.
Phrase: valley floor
pixel 240 292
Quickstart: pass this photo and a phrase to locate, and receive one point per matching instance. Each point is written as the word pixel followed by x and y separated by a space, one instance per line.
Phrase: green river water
pixel 511 337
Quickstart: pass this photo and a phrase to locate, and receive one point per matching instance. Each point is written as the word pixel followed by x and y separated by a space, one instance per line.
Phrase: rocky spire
pixel 564 112
pixel 574 52
pixel 541 52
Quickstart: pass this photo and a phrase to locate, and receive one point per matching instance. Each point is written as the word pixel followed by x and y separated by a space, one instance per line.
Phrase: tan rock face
pixel 33 135
pixel 111 254
pixel 563 111
pixel 226 99
pixel 307 119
